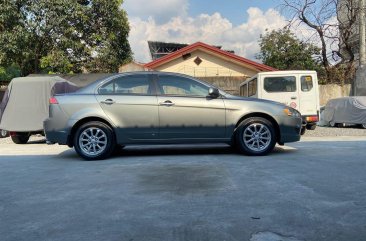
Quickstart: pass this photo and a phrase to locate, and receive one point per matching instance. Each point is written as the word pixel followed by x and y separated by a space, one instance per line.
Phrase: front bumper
pixel 290 128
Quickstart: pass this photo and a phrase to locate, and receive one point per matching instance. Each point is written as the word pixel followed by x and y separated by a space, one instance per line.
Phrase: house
pixel 132 66
pixel 222 68
pixel 203 60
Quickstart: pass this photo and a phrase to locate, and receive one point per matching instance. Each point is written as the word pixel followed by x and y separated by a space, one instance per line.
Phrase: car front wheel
pixel 94 141
pixel 256 136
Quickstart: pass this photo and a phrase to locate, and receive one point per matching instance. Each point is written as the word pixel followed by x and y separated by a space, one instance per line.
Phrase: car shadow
pixel 178 150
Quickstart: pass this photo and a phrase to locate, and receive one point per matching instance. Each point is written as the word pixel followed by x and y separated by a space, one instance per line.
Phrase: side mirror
pixel 213 92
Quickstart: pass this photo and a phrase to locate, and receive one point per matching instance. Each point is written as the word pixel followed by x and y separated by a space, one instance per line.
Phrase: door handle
pixel 166 103
pixel 108 101
pixel 293 98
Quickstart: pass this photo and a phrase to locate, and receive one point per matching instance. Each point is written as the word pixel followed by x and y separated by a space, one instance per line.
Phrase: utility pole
pixel 360 82
pixel 362 33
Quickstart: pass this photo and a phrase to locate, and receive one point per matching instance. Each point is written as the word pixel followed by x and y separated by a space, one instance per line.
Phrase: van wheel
pixel 363 126
pixel 94 141
pixel 20 138
pixel 255 136
pixel 4 133
pixel 311 127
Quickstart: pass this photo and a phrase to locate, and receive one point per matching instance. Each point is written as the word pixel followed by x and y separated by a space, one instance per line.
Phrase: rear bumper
pixel 55 135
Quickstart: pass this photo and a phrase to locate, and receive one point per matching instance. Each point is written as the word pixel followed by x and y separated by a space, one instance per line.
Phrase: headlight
pixel 291 112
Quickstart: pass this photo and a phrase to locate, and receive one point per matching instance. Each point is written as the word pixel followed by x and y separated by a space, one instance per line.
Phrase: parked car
pixel 345 111
pixel 25 105
pixel 295 88
pixel 165 108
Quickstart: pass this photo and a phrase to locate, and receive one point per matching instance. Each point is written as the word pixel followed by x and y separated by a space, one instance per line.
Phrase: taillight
pixel 313 118
pixel 53 101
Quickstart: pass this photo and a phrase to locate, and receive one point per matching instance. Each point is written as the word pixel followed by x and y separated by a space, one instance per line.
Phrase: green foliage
pixel 56 62
pixel 63 36
pixel 8 73
pixel 282 50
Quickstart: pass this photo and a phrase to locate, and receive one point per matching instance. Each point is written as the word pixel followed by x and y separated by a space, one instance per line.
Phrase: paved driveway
pixel 310 190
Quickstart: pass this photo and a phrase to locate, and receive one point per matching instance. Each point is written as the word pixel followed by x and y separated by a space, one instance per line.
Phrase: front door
pixel 185 111
pixel 131 104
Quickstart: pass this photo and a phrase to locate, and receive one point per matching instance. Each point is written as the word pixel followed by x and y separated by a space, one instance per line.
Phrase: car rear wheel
pixel 94 141
pixel 364 125
pixel 20 138
pixel 256 136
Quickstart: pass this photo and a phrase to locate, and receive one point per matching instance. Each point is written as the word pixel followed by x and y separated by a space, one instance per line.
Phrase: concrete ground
pixel 311 190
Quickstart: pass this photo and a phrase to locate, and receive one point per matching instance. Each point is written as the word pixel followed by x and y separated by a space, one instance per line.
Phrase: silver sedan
pixel 142 108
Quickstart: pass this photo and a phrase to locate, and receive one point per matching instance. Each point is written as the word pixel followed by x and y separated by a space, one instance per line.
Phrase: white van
pixel 295 88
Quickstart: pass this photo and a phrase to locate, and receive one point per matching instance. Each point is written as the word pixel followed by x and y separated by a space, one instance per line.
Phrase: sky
pixel 234 24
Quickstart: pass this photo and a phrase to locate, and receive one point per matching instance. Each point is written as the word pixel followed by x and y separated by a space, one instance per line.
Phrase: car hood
pixel 234 97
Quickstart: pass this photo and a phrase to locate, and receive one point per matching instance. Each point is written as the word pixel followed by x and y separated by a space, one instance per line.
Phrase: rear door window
pixel 280 84
pixel 244 90
pixel 127 85
pixel 306 83
pixel 252 87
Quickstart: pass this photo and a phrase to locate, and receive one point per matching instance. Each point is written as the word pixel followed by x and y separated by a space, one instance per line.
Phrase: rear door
pixel 308 94
pixel 283 89
pixel 185 111
pixel 130 103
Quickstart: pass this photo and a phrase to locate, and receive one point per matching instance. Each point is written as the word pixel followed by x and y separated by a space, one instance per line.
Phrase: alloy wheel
pixel 93 141
pixel 257 137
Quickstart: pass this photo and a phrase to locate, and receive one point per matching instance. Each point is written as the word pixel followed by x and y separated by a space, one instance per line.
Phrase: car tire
pixel 4 133
pixel 363 126
pixel 303 130
pixel 255 136
pixel 20 138
pixel 311 127
pixel 94 141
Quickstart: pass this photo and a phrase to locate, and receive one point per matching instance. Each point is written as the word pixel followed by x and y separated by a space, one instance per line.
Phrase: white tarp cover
pixel 349 110
pixel 25 105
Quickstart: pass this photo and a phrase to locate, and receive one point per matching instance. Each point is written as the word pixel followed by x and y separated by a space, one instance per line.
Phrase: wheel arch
pixel 81 122
pixel 265 116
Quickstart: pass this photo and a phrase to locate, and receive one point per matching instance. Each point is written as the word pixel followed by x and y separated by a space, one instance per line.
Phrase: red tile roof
pixel 210 48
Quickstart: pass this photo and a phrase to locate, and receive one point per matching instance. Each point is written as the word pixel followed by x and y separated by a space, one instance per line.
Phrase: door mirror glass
pixel 213 92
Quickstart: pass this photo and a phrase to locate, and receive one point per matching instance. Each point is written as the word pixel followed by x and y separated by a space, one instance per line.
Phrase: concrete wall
pixel 327 92
pixel 229 84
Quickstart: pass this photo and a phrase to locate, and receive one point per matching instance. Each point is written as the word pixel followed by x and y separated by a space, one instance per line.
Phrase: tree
pixel 282 50
pixel 6 74
pixel 335 34
pixel 63 36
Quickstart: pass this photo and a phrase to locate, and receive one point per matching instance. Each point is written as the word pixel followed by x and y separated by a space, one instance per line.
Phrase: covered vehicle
pixel 25 105
pixel 345 111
